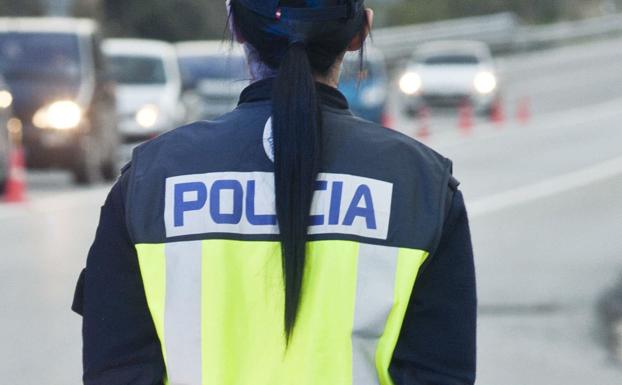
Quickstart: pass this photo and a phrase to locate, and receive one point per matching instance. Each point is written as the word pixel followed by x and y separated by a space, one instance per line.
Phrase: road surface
pixel 546 221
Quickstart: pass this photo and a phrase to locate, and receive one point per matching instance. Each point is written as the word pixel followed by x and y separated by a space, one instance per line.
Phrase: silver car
pixel 148 89
pixel 450 73
pixel 213 76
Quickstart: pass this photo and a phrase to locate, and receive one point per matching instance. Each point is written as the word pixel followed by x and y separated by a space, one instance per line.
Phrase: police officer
pixel 287 242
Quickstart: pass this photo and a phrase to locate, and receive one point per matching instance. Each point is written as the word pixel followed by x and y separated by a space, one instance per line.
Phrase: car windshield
pixel 372 69
pixel 225 67
pixel 451 59
pixel 137 70
pixel 39 55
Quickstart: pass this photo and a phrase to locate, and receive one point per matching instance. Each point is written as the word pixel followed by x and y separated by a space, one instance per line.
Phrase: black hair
pixel 311 48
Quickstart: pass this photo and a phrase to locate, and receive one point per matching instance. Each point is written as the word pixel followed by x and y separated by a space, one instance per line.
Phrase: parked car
pixel 448 73
pixel 214 74
pixel 61 94
pixel 148 89
pixel 6 101
pixel 366 87
pixel 610 314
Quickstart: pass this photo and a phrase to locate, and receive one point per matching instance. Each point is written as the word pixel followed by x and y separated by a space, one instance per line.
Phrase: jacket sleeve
pixel 437 341
pixel 121 346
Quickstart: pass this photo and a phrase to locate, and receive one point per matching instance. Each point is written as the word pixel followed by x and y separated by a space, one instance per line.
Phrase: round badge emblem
pixel 268 141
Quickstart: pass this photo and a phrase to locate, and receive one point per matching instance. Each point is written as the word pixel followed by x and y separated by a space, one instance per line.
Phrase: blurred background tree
pixel 20 7
pixel 171 20
pixel 175 20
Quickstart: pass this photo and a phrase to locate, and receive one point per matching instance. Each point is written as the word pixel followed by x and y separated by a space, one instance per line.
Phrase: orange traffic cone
pixel 16 183
pixel 497 115
pixel 423 118
pixel 15 191
pixel 523 112
pixel 465 117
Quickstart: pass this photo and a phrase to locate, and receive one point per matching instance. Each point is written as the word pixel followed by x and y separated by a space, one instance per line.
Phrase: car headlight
pixel 6 99
pixel 373 96
pixel 485 82
pixel 410 83
pixel 147 116
pixel 60 115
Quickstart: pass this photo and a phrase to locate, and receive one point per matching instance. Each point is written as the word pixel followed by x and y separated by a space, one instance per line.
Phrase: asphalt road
pixel 546 216
pixel 546 221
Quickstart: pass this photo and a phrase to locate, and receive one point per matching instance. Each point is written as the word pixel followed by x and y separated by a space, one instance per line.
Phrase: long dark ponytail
pixel 296 125
pixel 296 120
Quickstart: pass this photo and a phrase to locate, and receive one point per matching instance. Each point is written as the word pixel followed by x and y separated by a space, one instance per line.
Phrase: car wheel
pixel 110 167
pixel 86 169
pixel 485 111
pixel 412 112
pixel 110 170
pixel 5 176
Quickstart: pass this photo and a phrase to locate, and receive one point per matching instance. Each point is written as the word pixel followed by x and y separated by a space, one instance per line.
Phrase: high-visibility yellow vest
pixel 210 260
pixel 218 310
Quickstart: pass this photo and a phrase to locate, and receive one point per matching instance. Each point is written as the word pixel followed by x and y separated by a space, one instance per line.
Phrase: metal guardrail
pixel 498 30
pixel 503 32
pixel 533 37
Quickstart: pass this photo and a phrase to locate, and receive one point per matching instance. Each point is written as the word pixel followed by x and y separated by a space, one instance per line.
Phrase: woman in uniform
pixel 287 242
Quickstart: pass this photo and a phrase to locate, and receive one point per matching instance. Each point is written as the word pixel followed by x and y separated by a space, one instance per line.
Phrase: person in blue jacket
pixel 286 242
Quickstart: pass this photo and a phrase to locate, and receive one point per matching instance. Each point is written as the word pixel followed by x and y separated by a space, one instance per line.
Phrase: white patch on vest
pixel 268 141
pixel 243 203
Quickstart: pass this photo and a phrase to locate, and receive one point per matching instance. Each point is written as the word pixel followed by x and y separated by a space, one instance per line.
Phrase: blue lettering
pixel 254 219
pixel 181 206
pixel 335 203
pixel 366 211
pixel 318 220
pixel 238 196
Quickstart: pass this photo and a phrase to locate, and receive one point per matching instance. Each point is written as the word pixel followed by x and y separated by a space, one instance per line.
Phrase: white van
pixel 148 88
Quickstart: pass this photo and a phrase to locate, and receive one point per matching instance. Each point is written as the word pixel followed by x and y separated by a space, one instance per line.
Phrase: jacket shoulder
pixel 202 146
pixel 377 145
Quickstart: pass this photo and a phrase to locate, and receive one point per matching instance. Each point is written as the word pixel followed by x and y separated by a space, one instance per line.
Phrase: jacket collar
pixel 262 90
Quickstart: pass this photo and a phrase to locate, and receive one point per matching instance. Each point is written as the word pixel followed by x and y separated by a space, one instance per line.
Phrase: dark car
pixel 62 95
pixel 6 100
pixel 610 314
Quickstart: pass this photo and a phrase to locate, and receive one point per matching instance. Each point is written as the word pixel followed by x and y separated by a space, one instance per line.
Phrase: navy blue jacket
pixel 437 342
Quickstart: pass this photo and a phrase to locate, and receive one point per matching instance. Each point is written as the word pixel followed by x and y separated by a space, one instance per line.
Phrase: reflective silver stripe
pixel 182 314
pixel 374 299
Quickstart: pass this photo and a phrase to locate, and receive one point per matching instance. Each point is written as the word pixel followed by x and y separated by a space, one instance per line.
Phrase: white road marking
pixel 550 187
